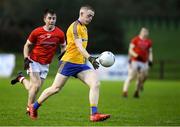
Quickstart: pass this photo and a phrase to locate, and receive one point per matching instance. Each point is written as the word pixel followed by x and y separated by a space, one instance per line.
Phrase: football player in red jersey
pixel 140 58
pixel 39 50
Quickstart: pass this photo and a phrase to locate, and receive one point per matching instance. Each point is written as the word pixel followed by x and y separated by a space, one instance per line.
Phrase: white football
pixel 106 59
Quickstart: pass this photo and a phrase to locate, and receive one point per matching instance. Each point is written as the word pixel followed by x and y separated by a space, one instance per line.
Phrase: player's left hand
pixel 27 61
pixel 94 62
pixel 150 63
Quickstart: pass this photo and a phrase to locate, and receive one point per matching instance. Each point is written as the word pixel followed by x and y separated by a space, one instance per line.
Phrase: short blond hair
pixel 144 28
pixel 85 8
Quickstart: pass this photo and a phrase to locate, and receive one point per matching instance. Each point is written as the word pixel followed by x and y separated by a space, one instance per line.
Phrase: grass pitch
pixel 158 105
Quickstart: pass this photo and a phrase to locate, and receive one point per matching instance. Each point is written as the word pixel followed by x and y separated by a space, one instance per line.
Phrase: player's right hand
pixel 26 63
pixel 94 62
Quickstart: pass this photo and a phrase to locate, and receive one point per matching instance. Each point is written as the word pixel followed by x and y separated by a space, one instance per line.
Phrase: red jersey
pixel 45 44
pixel 141 47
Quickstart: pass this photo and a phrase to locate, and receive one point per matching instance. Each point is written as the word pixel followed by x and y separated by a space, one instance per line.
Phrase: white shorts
pixel 137 67
pixel 42 69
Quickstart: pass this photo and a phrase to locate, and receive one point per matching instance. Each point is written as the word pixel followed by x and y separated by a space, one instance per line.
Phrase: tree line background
pixel 108 30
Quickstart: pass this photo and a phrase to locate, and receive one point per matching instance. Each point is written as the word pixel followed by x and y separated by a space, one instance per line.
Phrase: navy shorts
pixel 71 69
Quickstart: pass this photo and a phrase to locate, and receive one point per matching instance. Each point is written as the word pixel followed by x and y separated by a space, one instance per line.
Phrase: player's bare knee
pixel 36 84
pixel 95 85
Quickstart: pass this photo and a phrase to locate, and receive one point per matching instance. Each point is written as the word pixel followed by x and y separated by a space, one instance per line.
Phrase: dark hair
pixel 49 11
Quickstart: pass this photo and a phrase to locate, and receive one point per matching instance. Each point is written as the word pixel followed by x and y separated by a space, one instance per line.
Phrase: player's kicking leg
pixel 90 78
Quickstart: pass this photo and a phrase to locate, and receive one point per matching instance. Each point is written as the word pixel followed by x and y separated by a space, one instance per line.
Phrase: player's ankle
pixel 93 110
pixel 36 105
pixel 21 79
